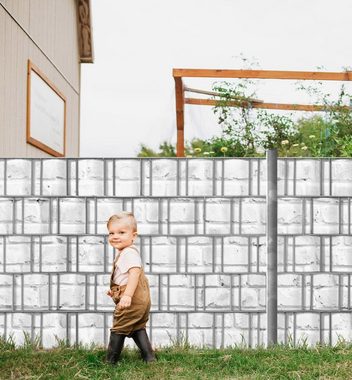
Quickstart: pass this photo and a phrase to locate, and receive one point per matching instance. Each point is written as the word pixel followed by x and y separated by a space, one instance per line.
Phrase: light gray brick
pixel 18 254
pixel 325 298
pixel 127 169
pixel 342 322
pixel 240 321
pixel 91 169
pixel 164 338
pixel 182 210
pixel 36 216
pixel 235 255
pixel 253 216
pixel 199 257
pixel 289 280
pixel 342 253
pixel 18 177
pixel 6 291
pixel 181 280
pixel 163 258
pixel 217 280
pixel 106 208
pixel 235 169
pixel 200 188
pixel 35 291
pixel 54 177
pixel 217 217
pixel 307 177
pixel 325 280
pixel 90 186
pixel 326 219
pixel 55 329
pixel 289 298
pixel 341 177
pixel 72 216
pixel 234 188
pixel 307 253
pixel 54 254
pixel 164 320
pixel 164 170
pixel 164 188
pixel 181 298
pixel 6 212
pixel 289 216
pixel 236 177
pixel 252 298
pixel 200 320
pixel 200 337
pixel 126 188
pixel 200 169
pixel 253 280
pixel 217 298
pixel 72 291
pixel 91 334
pixel 147 210
pixel 307 321
pixel 91 254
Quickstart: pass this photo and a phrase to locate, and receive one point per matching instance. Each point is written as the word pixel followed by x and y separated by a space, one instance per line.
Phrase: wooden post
pixel 180 118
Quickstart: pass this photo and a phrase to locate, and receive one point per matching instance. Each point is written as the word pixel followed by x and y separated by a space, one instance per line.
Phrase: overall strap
pixel 113 266
pixel 134 248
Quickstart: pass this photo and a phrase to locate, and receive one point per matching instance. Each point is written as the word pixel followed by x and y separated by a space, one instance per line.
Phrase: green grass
pixel 177 362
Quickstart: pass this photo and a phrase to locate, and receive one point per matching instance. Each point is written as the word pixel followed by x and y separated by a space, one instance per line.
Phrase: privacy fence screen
pixel 202 226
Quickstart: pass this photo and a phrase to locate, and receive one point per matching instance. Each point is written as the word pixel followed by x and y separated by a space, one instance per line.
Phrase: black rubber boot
pixel 115 347
pixel 141 339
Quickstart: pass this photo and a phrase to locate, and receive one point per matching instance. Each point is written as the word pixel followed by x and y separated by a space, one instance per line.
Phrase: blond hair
pixel 124 215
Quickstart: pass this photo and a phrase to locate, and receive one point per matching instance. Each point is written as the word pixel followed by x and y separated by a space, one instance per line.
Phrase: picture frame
pixel 46 113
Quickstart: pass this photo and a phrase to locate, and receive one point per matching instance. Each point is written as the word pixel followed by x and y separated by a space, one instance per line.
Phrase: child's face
pixel 121 234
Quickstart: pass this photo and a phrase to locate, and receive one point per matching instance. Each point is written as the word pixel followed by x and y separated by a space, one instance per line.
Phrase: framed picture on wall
pixel 46 113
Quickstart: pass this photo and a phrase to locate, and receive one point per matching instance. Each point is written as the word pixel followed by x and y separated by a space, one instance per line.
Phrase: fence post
pixel 271 246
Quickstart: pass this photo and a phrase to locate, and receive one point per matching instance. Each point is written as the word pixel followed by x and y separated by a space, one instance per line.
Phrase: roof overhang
pixel 85 31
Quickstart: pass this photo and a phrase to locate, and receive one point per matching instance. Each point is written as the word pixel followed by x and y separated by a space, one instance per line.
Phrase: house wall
pixel 44 32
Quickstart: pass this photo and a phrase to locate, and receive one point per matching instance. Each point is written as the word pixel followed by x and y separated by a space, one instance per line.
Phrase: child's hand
pixel 125 302
pixel 109 293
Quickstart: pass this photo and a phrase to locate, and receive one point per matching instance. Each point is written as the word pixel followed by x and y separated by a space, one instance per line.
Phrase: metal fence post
pixel 271 246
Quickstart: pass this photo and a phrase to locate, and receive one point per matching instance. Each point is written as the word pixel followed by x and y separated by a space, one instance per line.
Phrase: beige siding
pixel 59 63
pixel 19 9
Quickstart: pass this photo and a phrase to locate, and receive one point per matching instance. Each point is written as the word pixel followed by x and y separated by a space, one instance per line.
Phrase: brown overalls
pixel 135 317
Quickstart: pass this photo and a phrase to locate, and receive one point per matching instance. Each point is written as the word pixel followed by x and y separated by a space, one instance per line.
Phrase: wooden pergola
pixel 181 100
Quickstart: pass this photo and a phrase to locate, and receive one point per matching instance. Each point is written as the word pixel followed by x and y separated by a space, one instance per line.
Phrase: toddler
pixel 129 289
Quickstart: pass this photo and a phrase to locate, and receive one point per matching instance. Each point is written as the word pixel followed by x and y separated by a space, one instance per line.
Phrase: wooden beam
pixel 262 74
pixel 180 118
pixel 196 91
pixel 269 106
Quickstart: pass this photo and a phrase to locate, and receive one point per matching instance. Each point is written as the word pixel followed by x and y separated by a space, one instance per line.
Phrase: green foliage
pixel 238 125
pixel 277 131
pixel 7 344
pixel 165 150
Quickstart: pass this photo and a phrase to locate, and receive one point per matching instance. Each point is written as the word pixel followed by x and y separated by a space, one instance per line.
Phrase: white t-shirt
pixel 128 259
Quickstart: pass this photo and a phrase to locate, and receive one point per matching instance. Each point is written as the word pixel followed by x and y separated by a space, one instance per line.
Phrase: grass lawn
pixel 280 362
